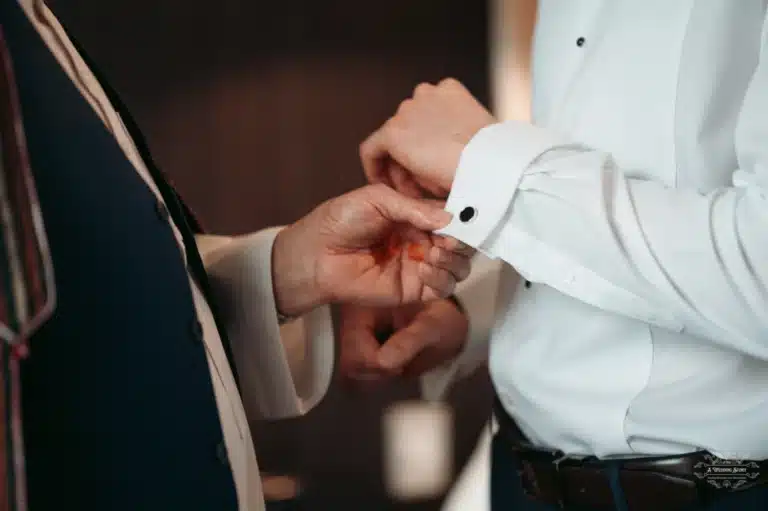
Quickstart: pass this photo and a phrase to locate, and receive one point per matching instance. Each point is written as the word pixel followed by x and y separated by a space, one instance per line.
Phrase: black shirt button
pixel 580 42
pixel 527 284
pixel 162 211
pixel 221 453
pixel 467 214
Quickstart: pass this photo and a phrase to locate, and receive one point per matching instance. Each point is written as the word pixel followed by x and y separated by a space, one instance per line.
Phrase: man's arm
pixel 568 217
pixel 332 255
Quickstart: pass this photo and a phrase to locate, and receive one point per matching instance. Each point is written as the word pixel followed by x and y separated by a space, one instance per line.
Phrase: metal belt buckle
pixel 528 479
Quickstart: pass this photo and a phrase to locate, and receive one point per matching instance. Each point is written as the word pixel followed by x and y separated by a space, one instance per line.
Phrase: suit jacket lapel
pixel 181 213
pixel 26 278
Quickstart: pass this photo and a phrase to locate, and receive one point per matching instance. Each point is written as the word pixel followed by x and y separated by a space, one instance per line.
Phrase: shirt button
pixel 467 214
pixel 196 329
pixel 221 453
pixel 162 211
pixel 580 42
pixel 527 284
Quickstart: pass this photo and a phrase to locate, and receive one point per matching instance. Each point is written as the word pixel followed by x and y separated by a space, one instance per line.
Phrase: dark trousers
pixel 507 491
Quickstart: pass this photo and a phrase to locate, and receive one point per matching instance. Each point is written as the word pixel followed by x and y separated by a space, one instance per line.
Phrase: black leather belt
pixel 659 483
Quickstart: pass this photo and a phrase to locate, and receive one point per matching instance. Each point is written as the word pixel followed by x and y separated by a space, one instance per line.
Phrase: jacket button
pixel 196 329
pixel 221 453
pixel 162 211
pixel 580 42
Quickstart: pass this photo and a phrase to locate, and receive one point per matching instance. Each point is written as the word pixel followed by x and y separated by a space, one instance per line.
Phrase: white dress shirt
pixel 636 202
pixel 283 371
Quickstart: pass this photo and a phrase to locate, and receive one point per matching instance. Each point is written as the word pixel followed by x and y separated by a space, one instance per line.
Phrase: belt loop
pixel 560 480
pixel 613 473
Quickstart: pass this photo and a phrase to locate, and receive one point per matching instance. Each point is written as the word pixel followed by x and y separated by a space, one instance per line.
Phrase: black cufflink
pixel 467 214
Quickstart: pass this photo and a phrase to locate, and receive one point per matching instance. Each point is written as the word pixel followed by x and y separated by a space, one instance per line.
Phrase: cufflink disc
pixel 467 214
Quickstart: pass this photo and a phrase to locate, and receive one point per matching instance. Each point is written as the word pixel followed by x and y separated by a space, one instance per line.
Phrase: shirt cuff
pixel 490 169
pixel 283 371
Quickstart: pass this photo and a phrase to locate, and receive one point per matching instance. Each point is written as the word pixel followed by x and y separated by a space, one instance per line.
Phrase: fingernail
pixel 451 244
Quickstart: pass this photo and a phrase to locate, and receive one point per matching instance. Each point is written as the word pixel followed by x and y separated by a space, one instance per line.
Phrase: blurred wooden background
pixel 255 109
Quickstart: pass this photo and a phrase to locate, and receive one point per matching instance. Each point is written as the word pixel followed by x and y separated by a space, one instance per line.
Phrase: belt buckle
pixel 533 484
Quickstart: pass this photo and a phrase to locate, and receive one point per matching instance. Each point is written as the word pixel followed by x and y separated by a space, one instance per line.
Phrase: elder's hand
pixel 377 344
pixel 372 246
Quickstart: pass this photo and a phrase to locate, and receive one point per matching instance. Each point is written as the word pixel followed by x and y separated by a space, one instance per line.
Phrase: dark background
pixel 255 109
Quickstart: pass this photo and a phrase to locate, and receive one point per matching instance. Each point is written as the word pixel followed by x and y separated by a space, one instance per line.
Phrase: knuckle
pixel 444 280
pixel 363 149
pixel 452 244
pixel 446 258
pixel 458 265
pixel 400 348
pixel 447 277
pixel 422 88
pixel 376 191
pixel 404 107
pixel 448 244
pixel 459 247
pixel 443 291
pixel 399 354
pixel 431 272
pixel 449 83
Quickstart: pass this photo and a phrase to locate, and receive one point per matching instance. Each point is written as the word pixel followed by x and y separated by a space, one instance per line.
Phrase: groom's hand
pixel 426 136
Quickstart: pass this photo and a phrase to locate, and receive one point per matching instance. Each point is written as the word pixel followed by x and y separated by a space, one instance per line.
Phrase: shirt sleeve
pixel 284 370
pixel 567 216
